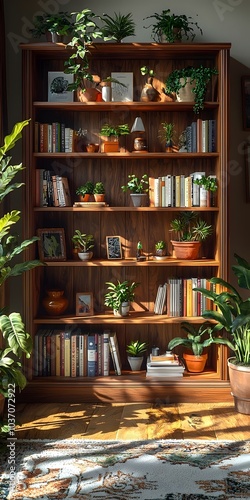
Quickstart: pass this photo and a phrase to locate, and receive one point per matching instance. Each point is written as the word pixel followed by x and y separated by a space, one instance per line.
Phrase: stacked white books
pixel 167 365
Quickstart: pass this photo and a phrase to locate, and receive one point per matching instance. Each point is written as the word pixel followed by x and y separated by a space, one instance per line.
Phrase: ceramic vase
pixel 55 303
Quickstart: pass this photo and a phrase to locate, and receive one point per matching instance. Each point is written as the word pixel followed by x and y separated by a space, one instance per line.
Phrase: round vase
pixel 55 303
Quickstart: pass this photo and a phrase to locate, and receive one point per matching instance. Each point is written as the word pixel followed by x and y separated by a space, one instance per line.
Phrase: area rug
pixel 126 470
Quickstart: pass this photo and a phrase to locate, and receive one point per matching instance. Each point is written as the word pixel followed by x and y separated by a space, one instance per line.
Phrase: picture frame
pixel 57 87
pixel 247 170
pixel 245 85
pixel 120 93
pixel 84 304
pixel 51 244
pixel 114 247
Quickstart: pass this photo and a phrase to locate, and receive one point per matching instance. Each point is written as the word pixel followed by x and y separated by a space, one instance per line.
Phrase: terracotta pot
pixel 240 384
pixel 195 364
pixel 110 147
pixel 84 198
pixel 55 303
pixel 99 197
pixel 187 250
pixel 90 94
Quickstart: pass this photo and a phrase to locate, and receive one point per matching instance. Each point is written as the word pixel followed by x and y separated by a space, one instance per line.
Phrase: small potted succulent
pixel 160 248
pixel 83 243
pixel 119 296
pixel 139 189
pixel 85 191
pixel 190 231
pixel 135 350
pixel 99 191
pixel 208 187
pixel 166 134
pixel 190 84
pixel 172 28
pixel 117 27
pixel 196 361
pixel 110 136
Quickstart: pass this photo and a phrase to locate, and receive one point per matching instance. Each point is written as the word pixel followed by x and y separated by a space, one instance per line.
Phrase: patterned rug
pixel 124 470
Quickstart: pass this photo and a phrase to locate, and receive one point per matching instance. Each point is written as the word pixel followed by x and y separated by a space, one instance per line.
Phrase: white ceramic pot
pixel 139 200
pixel 186 94
pixel 135 363
pixel 85 255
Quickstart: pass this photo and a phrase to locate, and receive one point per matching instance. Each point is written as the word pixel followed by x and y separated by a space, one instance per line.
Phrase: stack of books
pixel 167 365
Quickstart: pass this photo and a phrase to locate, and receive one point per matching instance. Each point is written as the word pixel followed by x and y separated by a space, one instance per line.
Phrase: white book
pixel 157 184
pixel 113 344
pixel 105 353
pixel 157 299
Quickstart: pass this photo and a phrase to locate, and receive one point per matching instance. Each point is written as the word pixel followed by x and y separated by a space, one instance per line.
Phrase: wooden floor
pixel 132 421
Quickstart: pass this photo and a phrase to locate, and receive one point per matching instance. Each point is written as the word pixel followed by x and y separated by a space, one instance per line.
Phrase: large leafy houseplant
pixel 119 293
pixel 198 76
pixel 16 341
pixel 189 231
pixel 172 27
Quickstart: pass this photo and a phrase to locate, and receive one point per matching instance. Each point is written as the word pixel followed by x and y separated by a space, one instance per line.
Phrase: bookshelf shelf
pixel 147 224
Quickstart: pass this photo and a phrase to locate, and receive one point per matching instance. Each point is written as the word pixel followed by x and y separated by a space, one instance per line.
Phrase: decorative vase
pixel 187 250
pixel 149 93
pixel 186 94
pixel 195 364
pixel 239 377
pixel 55 303
pixel 106 93
pixel 139 200
pixel 135 363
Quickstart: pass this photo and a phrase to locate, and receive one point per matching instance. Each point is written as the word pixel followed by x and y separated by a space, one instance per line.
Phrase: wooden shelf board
pixel 129 155
pixel 126 209
pixel 111 106
pixel 133 262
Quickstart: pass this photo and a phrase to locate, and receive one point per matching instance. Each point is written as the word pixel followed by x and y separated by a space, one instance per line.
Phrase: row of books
pixel 201 136
pixel 53 138
pixel 167 365
pixel 72 353
pixel 51 190
pixel 179 191
pixel 177 297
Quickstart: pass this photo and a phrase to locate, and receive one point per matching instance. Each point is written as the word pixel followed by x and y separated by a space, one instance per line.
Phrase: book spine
pixel 212 136
pixel 105 353
pixel 73 356
pixel 53 355
pixel 58 354
pixel 177 191
pixel 115 353
pixel 67 354
pixel 92 356
pixel 151 192
pixel 204 136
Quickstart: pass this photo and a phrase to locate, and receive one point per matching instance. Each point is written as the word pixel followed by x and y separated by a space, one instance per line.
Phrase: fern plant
pixel 118 27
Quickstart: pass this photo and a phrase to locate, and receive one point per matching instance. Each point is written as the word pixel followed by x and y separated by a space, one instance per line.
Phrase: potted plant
pixel 208 187
pixel 166 134
pixel 196 343
pixel 160 248
pixel 56 25
pixel 190 84
pixel 149 93
pixel 139 189
pixel 16 342
pixel 110 135
pixel 117 27
pixel 233 316
pixel 85 191
pixel 84 243
pixel 99 191
pixel 85 30
pixel 172 28
pixel 119 296
pixel 190 231
pixel 135 350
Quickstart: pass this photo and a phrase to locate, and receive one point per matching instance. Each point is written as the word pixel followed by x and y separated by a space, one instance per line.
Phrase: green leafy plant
pixel 188 227
pixel 117 27
pixel 16 341
pixel 60 23
pixel 118 293
pixel 166 134
pixel 83 241
pixel 114 130
pixel 209 183
pixel 136 348
pixel 199 76
pixel 147 71
pixel 160 245
pixel 99 188
pixel 194 339
pixel 86 188
pixel 173 27
pixel 233 312
pixel 85 30
pixel 136 184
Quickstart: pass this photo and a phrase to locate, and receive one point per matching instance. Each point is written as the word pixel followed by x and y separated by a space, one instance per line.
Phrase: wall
pixel 221 21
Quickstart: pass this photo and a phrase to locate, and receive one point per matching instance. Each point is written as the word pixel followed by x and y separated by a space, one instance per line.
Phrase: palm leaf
pixel 13 331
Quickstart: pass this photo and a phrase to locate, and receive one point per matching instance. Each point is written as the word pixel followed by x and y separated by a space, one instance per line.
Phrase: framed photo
pixel 245 83
pixel 114 248
pixel 119 92
pixel 84 304
pixel 247 170
pixel 51 245
pixel 58 82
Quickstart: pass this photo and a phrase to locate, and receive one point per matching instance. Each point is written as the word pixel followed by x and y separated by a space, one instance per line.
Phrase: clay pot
pixel 99 197
pixel 55 303
pixel 187 250
pixel 195 364
pixel 240 384
pixel 90 94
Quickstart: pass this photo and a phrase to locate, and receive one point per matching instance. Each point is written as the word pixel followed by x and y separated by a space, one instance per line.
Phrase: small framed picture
pixel 58 83
pixel 114 248
pixel 245 83
pixel 84 304
pixel 122 92
pixel 51 245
